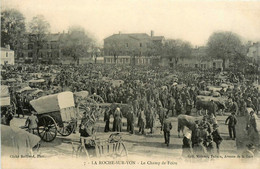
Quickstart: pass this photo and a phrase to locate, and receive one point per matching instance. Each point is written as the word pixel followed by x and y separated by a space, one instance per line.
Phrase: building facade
pixel 254 52
pixel 134 44
pixel 49 51
pixel 7 56
pixel 198 59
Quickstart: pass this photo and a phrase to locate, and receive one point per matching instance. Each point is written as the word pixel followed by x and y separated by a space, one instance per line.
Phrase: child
pixel 31 122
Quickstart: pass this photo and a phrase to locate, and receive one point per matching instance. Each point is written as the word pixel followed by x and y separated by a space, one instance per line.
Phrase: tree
pixel 77 43
pixel 38 30
pixel 177 49
pixel 226 45
pixel 12 29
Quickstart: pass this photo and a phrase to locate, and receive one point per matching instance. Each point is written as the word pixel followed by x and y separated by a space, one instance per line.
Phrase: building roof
pixel 53 37
pixel 5 49
pixel 157 37
pixel 136 36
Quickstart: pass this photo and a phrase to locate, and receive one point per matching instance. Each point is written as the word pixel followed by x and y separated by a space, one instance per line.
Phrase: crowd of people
pixel 151 93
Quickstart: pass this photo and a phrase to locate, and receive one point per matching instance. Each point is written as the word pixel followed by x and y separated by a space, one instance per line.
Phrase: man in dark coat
pixel 117 124
pixel 216 136
pixel 107 119
pixel 167 126
pixel 232 121
pixel 130 121
pixel 212 108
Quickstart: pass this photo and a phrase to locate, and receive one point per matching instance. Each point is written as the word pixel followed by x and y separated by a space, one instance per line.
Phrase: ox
pixel 185 121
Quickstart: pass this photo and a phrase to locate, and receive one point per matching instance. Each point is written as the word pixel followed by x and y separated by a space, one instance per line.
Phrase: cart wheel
pixel 67 129
pixel 86 103
pixel 97 98
pixel 47 129
pixel 120 150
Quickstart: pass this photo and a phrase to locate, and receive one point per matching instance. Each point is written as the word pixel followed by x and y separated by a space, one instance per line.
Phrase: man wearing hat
pixel 117 124
pixel 232 121
pixel 216 136
pixel 167 126
pixel 195 134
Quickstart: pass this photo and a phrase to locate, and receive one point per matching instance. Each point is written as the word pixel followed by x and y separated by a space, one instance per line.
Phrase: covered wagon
pixel 56 113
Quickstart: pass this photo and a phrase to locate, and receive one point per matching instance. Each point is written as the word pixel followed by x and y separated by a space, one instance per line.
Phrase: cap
pixel 215 125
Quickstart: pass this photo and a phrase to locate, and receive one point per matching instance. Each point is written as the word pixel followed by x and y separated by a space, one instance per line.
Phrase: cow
pixel 203 102
pixel 185 121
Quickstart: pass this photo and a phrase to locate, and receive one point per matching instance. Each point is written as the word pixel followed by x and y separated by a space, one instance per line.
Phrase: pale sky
pixel 191 21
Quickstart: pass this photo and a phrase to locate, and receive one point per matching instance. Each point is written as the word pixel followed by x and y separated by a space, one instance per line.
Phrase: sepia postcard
pixel 130 84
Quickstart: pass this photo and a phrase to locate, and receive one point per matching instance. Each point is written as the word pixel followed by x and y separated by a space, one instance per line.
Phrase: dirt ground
pixel 147 145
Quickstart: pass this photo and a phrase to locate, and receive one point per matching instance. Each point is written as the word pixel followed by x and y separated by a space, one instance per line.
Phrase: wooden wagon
pixel 56 114
pixel 100 146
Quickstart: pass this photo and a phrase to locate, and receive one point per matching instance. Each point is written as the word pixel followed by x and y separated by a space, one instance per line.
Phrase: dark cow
pixel 185 121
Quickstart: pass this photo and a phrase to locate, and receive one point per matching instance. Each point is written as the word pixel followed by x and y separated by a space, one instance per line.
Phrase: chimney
pixel 152 33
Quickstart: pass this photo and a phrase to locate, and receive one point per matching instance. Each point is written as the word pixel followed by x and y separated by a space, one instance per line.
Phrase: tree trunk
pixel 224 64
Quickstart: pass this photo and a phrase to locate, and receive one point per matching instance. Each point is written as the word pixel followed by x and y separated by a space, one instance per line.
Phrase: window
pixel 30 46
pixel 141 45
pixel 30 54
pixel 49 54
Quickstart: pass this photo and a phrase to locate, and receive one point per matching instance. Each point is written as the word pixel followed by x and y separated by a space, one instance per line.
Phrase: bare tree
pixel 38 30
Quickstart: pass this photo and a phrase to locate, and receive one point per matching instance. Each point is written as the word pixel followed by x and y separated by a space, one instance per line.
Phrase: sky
pixel 192 21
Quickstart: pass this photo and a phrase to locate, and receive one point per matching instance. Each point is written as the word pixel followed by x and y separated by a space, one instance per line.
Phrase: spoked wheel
pixel 120 150
pixel 47 129
pixel 97 98
pixel 67 128
pixel 85 104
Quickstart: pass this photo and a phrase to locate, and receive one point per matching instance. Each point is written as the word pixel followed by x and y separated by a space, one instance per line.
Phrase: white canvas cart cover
pixel 5 96
pixel 82 94
pixel 36 81
pixel 52 103
pixel 4 91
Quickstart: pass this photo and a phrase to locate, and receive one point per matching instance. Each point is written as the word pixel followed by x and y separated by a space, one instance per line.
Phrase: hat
pixel 187 135
pixel 215 125
pixel 204 126
pixel 196 121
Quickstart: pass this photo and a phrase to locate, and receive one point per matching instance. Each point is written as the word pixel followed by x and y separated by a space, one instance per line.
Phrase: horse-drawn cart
pixel 6 101
pixel 56 113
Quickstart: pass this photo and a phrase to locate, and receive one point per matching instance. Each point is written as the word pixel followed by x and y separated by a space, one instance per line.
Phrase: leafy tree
pixel 177 49
pixel 38 30
pixel 12 29
pixel 226 45
pixel 77 43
